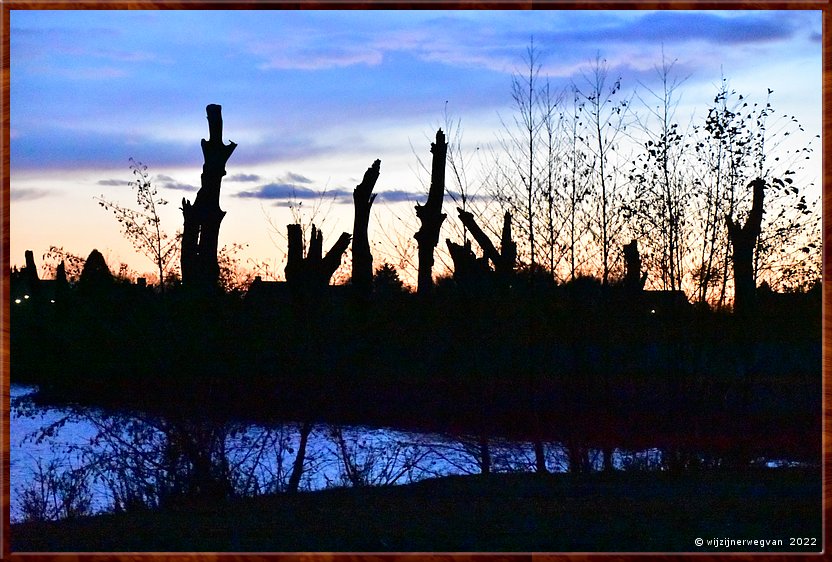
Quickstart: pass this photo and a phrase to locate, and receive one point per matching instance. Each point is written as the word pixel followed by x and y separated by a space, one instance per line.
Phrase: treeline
pixel 588 168
pixel 576 175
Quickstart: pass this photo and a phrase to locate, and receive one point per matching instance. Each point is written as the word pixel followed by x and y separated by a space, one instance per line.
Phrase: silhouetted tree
pixel 142 226
pixel 386 280
pixel 202 219
pixel 73 264
pixel 605 115
pixel 634 279
pixel 431 216
pixel 362 258
pixel 553 202
pixel 30 274
pixel 518 186
pixel 743 240
pixel 300 459
pixel 504 260
pixel 576 180
pixel 96 276
pixel 467 266
pixel 315 270
pixel 661 189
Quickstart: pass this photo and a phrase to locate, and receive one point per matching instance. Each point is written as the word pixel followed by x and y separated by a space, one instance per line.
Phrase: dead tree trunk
pixel 504 259
pixel 314 271
pixel 467 266
pixel 431 215
pixel 200 235
pixel 743 241
pixel 362 258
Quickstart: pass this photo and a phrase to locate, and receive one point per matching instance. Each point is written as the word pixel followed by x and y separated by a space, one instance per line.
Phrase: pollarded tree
pixel 743 241
pixel 430 215
pixel 313 271
pixel 362 257
pixel 200 236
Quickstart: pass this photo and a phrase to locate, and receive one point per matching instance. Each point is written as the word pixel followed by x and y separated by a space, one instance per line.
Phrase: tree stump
pixel 314 271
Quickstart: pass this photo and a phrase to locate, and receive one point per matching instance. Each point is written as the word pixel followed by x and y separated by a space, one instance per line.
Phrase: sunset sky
pixel 313 97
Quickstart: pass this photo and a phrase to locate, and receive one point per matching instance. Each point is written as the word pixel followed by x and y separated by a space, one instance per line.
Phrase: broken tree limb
pixel 362 258
pixel 504 259
pixel 431 216
pixel 332 259
pixel 467 266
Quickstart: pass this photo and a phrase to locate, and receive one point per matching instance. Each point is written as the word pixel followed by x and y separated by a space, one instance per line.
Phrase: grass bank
pixel 597 512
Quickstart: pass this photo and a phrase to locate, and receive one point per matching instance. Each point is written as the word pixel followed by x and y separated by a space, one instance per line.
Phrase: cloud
pixel 679 27
pixel 62 148
pixel 28 194
pixel 113 182
pixel 297 178
pixel 121 56
pixel 291 191
pixel 398 196
pixel 313 57
pixel 88 73
pixel 243 178
pixel 168 182
pixel 178 186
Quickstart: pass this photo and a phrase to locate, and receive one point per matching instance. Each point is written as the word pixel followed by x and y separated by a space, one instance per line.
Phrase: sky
pixel 312 98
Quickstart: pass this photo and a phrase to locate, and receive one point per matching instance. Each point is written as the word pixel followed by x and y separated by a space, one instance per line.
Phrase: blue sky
pixel 313 97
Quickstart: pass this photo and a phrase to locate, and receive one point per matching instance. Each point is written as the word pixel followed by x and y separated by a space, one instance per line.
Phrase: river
pixel 76 461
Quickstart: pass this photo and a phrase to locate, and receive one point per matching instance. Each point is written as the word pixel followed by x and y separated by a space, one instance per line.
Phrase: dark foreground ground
pixel 619 512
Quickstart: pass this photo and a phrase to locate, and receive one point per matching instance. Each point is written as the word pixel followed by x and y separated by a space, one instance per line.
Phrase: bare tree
pixel 605 114
pixel 518 187
pixel 143 226
pixel 658 176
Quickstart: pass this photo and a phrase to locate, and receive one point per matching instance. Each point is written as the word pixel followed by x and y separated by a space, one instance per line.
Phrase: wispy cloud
pixel 28 194
pixel 243 178
pixel 88 73
pixel 113 183
pixel 291 191
pixel 399 196
pixel 297 178
pixel 168 182
pixel 311 56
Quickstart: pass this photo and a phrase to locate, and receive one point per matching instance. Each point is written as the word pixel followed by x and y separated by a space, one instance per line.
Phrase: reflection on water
pixel 67 462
